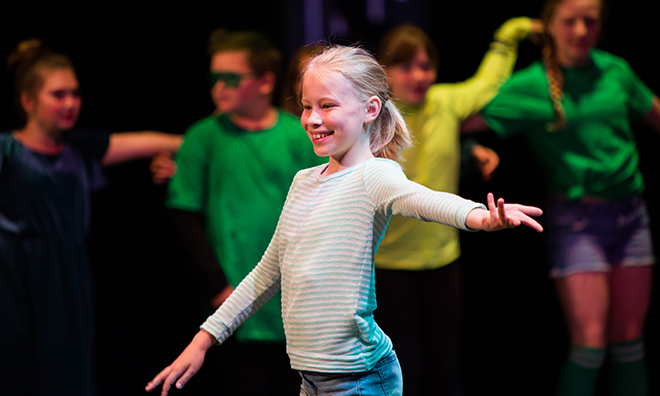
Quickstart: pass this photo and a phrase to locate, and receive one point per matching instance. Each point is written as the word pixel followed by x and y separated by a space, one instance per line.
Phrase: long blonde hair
pixel 389 134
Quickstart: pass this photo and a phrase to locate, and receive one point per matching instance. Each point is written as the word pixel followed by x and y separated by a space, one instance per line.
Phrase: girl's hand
pixel 185 366
pixel 502 216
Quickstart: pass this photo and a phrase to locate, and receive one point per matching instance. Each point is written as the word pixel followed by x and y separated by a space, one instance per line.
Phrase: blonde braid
pixel 556 85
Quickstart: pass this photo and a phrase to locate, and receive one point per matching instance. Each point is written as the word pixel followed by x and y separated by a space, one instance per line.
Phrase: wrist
pixel 474 219
pixel 204 340
pixel 513 30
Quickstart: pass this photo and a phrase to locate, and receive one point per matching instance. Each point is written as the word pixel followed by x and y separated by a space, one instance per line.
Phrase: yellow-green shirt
pixel 410 244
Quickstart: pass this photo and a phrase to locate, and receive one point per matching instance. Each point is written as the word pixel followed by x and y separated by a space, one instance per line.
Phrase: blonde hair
pixel 389 134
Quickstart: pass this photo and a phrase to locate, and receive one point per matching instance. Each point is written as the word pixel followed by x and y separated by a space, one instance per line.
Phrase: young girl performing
pixel 575 110
pixel 322 252
pixel 46 176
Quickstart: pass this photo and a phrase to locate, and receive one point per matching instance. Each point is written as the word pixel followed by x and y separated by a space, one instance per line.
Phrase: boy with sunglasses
pixel 234 171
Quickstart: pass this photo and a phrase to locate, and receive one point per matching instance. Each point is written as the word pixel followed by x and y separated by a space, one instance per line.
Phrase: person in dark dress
pixel 47 173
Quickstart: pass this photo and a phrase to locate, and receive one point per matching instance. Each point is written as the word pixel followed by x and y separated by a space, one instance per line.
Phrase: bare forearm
pixel 128 146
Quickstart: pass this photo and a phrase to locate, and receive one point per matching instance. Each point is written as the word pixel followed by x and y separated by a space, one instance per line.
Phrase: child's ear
pixel 373 108
pixel 267 83
pixel 26 102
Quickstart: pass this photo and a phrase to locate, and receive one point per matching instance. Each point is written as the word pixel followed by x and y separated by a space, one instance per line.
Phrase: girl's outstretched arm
pixel 185 366
pixel 502 216
pixel 126 146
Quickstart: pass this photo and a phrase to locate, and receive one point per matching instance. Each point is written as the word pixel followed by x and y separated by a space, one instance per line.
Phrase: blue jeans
pixel 385 379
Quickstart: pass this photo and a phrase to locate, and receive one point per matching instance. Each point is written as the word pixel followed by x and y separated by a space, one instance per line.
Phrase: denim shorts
pixel 597 236
pixel 385 379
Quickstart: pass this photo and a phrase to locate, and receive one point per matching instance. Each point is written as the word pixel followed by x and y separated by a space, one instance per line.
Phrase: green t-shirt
pixel 239 179
pixel 595 154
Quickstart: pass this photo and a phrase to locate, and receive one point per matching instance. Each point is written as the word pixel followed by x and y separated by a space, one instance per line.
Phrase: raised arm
pixel 495 68
pixel 497 65
pixel 126 146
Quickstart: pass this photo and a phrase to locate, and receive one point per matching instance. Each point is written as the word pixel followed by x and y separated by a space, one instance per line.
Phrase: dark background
pixel 142 65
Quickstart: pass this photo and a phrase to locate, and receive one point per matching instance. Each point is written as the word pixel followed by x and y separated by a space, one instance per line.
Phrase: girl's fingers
pixel 511 215
pixel 491 203
pixel 158 379
pixel 502 212
pixel 183 380
pixel 531 223
pixel 528 210
pixel 171 379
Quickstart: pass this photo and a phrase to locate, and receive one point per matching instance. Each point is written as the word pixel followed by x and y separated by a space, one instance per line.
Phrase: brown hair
pixel 401 43
pixel 388 132
pixel 263 55
pixel 26 62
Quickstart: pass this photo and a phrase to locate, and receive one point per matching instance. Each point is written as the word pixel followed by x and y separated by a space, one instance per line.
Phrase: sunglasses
pixel 231 80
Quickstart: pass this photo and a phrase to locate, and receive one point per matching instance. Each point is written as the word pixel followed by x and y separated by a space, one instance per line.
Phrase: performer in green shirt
pixel 233 173
pixel 575 109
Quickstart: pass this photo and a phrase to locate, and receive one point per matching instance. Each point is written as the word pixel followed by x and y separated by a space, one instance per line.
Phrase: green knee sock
pixel 581 371
pixel 628 369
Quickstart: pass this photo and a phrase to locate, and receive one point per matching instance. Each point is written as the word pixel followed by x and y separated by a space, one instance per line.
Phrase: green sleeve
pixel 187 189
pixel 495 68
pixel 641 97
pixel 523 104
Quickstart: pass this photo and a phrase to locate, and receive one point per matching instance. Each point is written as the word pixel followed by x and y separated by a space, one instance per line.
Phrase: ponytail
pixel 389 133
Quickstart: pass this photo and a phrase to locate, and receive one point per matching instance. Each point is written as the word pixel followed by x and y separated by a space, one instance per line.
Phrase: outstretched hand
pixel 501 216
pixel 185 366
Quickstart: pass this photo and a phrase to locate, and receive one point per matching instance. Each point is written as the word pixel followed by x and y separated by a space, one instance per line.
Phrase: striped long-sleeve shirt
pixel 322 257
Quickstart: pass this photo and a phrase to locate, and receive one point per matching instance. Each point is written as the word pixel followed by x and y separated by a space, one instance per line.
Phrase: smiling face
pixel 55 107
pixel 411 80
pixel 574 27
pixel 334 119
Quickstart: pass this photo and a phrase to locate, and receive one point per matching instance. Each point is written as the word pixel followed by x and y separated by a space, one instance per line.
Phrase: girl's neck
pixel 574 63
pixel 39 140
pixel 335 165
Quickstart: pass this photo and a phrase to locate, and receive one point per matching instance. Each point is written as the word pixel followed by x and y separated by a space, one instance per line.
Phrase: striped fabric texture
pixel 322 257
